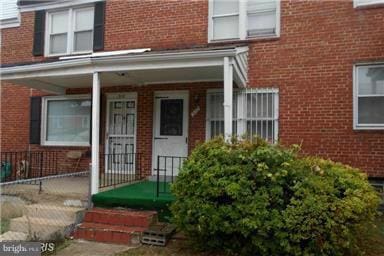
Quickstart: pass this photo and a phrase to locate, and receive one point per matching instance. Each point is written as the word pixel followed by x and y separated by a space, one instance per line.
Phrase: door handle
pixel 160 138
pixel 186 140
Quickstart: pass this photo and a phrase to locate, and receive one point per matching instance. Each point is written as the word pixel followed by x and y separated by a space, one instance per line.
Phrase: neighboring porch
pixel 143 103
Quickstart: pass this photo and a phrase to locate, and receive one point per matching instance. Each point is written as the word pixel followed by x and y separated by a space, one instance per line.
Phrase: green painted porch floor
pixel 141 195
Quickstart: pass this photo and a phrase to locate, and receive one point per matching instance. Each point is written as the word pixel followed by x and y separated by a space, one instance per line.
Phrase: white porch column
pixel 228 98
pixel 95 133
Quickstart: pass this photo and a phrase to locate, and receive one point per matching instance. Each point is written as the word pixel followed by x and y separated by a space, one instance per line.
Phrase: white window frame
pixel 356 125
pixel 44 113
pixel 242 22
pixel 70 31
pixel 241 115
pixel 357 3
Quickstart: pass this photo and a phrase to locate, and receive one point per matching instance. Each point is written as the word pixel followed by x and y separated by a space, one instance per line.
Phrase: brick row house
pixel 156 77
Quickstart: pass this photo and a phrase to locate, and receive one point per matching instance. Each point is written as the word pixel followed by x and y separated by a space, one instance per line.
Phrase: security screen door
pixel 121 133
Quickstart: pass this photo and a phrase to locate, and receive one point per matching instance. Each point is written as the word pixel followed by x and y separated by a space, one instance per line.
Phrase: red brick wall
pixel 14 121
pixel 312 66
pixel 311 63
pixel 145 100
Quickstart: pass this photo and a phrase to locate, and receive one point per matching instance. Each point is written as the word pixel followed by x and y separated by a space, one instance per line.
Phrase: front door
pixel 170 135
pixel 121 135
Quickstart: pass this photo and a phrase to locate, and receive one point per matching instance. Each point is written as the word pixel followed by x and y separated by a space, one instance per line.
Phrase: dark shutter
pixel 98 27
pixel 38 39
pixel 35 120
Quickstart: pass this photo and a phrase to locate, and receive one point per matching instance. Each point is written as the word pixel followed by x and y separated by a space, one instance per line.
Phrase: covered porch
pixel 146 106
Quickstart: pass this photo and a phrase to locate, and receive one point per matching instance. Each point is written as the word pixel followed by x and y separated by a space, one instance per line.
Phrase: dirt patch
pixel 87 248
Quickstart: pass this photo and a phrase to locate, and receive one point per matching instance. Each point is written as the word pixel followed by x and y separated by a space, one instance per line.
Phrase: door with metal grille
pixel 121 136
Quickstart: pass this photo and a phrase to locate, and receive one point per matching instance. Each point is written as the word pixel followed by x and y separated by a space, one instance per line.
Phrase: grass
pixel 4 225
pixel 373 244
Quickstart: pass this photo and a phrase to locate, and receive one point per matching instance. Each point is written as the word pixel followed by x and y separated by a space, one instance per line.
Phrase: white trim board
pixel 48 5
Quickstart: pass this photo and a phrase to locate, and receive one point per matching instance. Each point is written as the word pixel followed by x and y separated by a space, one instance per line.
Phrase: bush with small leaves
pixel 253 198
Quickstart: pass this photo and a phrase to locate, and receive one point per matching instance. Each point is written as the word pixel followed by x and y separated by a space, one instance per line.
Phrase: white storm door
pixel 170 131
pixel 121 136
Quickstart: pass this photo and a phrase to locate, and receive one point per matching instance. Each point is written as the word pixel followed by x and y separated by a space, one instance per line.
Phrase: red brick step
pixel 109 233
pixel 124 217
pixel 120 226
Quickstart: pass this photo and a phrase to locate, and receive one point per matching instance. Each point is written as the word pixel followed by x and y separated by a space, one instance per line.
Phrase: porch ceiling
pixel 195 65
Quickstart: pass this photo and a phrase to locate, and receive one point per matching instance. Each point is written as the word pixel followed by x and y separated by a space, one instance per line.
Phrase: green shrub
pixel 254 198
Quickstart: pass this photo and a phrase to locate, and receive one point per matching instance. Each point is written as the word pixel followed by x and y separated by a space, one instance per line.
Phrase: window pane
pixel 226 27
pixel 225 7
pixel 59 22
pixel 260 105
pixel 261 128
pixel 371 80
pixel 171 117
pixel 84 19
pixel 216 110
pixel 83 41
pixel 371 110
pixel 262 23
pixel 66 120
pixel 261 5
pixel 58 44
pixel 217 128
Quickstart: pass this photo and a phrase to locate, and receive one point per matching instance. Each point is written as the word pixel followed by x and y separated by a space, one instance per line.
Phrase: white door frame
pixel 184 93
pixel 112 97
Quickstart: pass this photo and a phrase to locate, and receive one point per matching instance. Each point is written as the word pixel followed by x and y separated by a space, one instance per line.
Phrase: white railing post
pixel 228 98
pixel 95 133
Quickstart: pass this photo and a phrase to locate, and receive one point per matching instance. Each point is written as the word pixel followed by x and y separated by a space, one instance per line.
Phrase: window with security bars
pixel 215 114
pixel 255 113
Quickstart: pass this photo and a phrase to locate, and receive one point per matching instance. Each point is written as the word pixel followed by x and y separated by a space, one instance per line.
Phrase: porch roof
pixel 131 68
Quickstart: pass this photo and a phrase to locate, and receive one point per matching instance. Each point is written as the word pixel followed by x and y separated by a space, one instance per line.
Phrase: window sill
pixel 63 144
pixel 67 54
pixel 368 128
pixel 369 6
pixel 248 40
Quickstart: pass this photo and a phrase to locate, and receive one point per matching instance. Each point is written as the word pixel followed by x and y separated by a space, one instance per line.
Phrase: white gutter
pixel 105 60
pixel 109 53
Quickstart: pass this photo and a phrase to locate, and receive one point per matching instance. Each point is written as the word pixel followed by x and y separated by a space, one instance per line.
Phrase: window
pixel 237 19
pixel 66 121
pixel 360 3
pixel 255 112
pixel 171 117
pixel 215 114
pixel 261 117
pixel 369 97
pixel 69 31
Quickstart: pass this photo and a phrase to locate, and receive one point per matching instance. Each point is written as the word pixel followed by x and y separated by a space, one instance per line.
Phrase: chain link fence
pixel 44 208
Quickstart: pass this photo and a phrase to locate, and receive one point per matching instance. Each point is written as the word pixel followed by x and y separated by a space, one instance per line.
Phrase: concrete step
pixel 13 236
pixel 41 228
pixel 54 212
pixel 109 233
pixel 121 217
